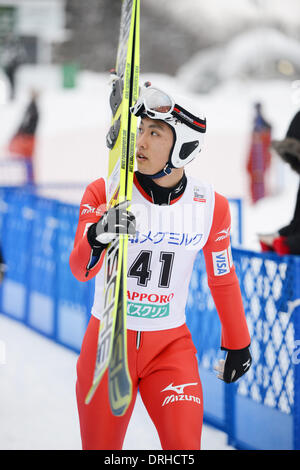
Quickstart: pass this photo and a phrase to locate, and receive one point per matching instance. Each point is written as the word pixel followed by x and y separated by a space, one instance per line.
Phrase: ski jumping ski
pixel 121 140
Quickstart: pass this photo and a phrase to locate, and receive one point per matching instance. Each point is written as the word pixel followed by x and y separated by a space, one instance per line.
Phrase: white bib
pixel 161 257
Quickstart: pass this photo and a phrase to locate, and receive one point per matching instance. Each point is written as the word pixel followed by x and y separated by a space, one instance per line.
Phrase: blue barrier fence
pixel 37 236
pixel 261 411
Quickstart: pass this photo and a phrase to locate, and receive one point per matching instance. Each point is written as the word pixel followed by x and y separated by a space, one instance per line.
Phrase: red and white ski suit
pixel 161 355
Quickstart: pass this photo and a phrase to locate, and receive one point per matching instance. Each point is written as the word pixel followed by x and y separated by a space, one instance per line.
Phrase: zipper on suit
pixel 138 339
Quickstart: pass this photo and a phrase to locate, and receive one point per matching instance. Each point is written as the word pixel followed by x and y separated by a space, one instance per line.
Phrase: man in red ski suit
pixel 161 355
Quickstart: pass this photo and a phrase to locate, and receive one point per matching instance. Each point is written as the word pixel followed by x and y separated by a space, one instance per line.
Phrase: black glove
pixel 117 220
pixel 236 364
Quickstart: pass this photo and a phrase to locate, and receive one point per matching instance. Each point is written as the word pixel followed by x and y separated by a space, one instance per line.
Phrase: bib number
pixel 140 268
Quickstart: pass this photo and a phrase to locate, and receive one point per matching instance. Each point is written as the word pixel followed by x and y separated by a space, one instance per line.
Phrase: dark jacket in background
pixel 289 150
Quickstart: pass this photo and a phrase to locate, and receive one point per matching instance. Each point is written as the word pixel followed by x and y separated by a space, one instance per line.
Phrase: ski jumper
pixel 161 355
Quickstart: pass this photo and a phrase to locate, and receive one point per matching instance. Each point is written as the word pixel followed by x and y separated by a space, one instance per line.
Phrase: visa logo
pixel 221 263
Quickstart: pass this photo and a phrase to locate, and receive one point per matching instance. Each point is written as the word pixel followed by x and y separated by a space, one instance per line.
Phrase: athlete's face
pixel 154 143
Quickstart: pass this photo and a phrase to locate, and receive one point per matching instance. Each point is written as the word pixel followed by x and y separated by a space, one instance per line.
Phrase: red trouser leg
pixel 164 366
pixel 171 390
pixel 100 429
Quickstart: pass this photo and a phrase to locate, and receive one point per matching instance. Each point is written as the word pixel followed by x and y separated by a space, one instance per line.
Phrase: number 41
pixel 140 268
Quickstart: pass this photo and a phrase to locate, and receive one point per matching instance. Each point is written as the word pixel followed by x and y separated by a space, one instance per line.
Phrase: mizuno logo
pixel 179 188
pixel 223 234
pixel 179 394
pixel 87 209
pixel 177 388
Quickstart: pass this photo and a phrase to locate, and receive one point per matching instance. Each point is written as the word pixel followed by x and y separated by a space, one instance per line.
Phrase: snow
pixel 38 404
pixel 73 125
pixel 259 53
pixel 38 407
pixel 215 21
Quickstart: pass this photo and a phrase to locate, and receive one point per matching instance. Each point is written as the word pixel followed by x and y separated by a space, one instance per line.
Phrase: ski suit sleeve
pixel 85 262
pixel 223 281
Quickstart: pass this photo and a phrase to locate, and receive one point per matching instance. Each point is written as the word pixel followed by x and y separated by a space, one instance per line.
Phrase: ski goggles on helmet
pixel 156 104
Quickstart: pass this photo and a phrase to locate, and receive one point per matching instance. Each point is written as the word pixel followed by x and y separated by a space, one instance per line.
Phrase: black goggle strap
pixel 142 112
pixel 189 119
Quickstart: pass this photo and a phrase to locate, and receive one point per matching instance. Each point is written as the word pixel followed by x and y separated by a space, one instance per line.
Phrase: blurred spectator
pixel 22 144
pixel 259 157
pixel 12 57
pixel 2 266
pixel 287 239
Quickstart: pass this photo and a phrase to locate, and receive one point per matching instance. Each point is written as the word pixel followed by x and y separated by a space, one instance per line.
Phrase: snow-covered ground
pixel 38 409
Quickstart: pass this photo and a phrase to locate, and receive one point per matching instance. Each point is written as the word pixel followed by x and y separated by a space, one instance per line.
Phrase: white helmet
pixel 188 129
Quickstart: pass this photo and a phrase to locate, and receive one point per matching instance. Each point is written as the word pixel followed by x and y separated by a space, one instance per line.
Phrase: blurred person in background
pixel 287 239
pixel 259 158
pixel 12 57
pixel 22 144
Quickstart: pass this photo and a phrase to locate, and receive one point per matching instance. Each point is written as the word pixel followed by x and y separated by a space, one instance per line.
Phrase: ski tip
pixel 88 399
pixel 122 409
pixel 90 395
